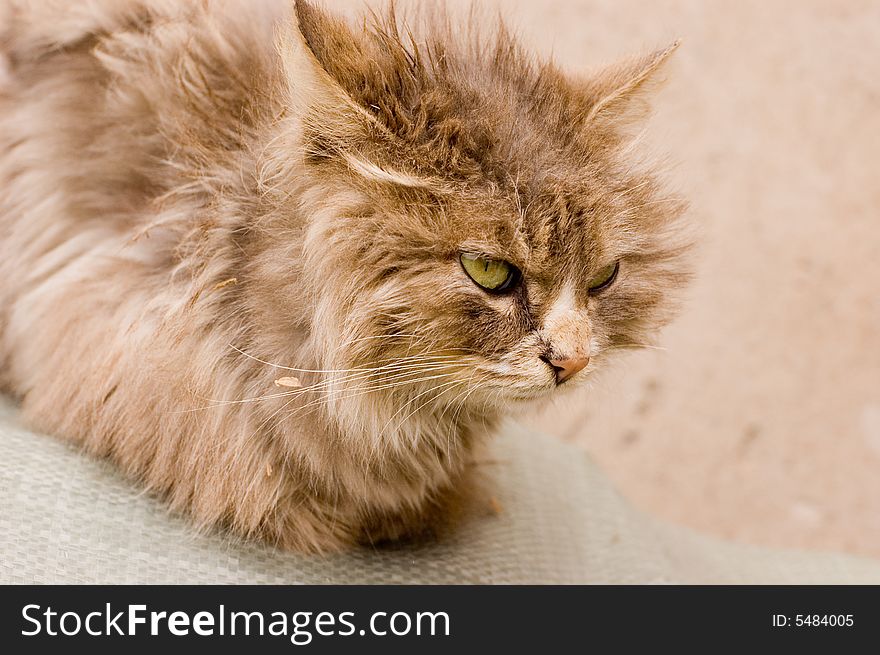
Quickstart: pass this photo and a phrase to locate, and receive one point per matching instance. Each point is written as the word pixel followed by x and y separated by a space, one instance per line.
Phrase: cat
pixel 292 274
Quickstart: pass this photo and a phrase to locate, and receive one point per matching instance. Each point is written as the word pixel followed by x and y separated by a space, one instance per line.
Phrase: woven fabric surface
pixel 68 518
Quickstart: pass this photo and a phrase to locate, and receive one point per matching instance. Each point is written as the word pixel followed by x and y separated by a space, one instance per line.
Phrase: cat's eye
pixel 493 275
pixel 605 277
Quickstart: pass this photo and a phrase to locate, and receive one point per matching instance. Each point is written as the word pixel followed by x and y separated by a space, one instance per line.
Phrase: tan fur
pixel 200 198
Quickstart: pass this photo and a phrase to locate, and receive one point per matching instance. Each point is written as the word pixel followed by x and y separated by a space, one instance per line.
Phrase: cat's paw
pixel 438 518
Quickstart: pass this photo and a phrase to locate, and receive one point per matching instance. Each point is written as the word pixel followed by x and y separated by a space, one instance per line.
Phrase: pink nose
pixel 567 367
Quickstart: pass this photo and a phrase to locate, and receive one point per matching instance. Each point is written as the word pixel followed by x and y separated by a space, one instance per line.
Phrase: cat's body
pixel 183 203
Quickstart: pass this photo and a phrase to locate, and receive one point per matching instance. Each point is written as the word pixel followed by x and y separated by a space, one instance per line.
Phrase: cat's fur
pixel 193 191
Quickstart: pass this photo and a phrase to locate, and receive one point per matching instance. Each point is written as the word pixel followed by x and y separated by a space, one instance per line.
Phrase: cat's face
pixel 477 232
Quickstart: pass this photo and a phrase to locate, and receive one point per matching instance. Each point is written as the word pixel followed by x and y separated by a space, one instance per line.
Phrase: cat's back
pixel 105 108
pixel 95 96
pixel 112 113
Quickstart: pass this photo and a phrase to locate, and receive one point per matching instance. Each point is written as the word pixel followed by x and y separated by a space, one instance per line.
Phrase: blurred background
pixel 760 421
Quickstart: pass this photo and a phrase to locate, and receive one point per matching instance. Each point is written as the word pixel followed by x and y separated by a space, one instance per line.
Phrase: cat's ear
pixel 314 53
pixel 616 95
pixel 322 58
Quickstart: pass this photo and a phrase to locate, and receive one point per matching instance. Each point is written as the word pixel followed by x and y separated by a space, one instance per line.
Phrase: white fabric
pixel 67 518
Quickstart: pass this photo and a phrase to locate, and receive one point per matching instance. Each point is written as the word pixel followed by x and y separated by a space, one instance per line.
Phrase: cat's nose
pixel 568 366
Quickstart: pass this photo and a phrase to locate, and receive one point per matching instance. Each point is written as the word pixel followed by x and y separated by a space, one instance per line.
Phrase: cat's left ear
pixel 616 96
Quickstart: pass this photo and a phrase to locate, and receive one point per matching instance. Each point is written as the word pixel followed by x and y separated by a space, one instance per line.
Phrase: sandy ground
pixel 761 419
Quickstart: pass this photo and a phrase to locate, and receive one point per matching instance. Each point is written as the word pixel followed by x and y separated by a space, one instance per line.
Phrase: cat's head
pixel 477 227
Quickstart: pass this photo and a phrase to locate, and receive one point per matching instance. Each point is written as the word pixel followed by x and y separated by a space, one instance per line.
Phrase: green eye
pixel 492 275
pixel 605 278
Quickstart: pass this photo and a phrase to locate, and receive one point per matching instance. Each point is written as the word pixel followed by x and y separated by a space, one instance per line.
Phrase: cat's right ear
pixel 315 40
pixel 321 58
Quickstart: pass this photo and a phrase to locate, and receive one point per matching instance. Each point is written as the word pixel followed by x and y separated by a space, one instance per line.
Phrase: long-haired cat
pixel 289 273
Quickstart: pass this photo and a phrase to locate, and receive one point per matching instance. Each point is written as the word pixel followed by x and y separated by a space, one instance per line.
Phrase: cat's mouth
pixel 540 392
pixel 538 380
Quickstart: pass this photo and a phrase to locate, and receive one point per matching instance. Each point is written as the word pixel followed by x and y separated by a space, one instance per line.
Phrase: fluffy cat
pixel 289 273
